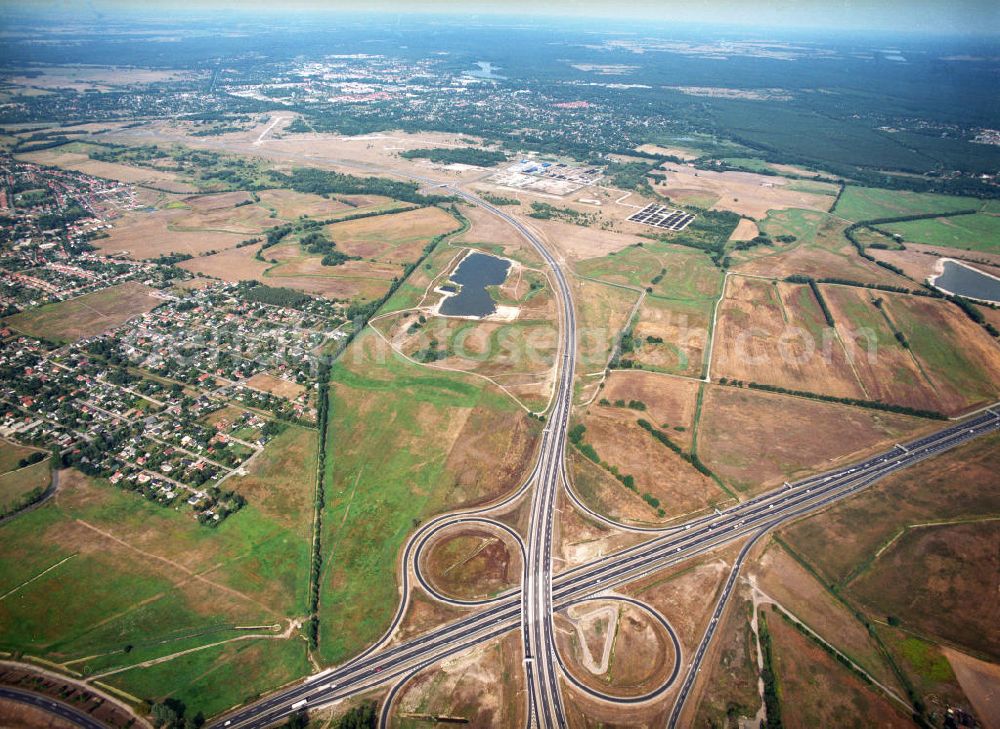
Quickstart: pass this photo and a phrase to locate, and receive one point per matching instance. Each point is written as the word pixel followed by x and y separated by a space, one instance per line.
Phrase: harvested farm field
pixel 87 315
pixel 938 492
pixel 671 334
pixel 395 238
pixel 779 578
pixel 81 162
pixel 665 485
pixel 961 360
pixel 143 235
pixel 745 230
pixel 745 193
pixel 820 250
pixel 774 333
pixel 290 205
pixel 729 683
pixel 670 401
pixel 354 279
pixel 754 440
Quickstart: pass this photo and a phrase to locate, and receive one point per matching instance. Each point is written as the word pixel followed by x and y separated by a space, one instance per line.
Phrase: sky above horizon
pixel 977 17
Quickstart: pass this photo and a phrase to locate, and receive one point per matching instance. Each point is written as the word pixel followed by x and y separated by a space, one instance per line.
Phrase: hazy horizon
pixel 966 17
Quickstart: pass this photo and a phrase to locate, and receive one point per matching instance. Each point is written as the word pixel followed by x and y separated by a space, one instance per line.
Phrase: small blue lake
pixel 473 275
pixel 965 281
pixel 486 70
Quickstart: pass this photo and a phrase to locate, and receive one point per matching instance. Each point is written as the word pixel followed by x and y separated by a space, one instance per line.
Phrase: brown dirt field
pixel 110 170
pixel 960 358
pixel 937 581
pixel 583 539
pixel 276 385
pixel 86 315
pixel 575 242
pixel 672 151
pixel 487 229
pixel 423 614
pixel 683 327
pixel 981 683
pixel 353 279
pixel 737 439
pixel 482 685
pixel 817 691
pixel 680 488
pixel 939 490
pixel 15 714
pixel 774 334
pixel 148 235
pixel 640 655
pixel 730 672
pixel 669 400
pixel 746 193
pixel 505 440
pixel 887 371
pixel 399 237
pixel 473 563
pixel 583 712
pixel 290 204
pixel 685 594
pixel 786 581
pixel 745 230
pixel 234 264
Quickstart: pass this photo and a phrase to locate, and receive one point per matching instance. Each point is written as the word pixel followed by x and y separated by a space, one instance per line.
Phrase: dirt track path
pixel 179 567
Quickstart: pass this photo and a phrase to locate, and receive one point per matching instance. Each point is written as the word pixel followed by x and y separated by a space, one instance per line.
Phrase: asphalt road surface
pixel 51 706
pixel 532 607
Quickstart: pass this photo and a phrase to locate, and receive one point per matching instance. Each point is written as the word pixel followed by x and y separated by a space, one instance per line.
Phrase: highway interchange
pixel 545 592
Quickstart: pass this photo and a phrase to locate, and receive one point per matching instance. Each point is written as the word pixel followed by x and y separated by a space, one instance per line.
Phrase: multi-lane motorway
pixel 51 706
pixel 543 593
pixel 705 534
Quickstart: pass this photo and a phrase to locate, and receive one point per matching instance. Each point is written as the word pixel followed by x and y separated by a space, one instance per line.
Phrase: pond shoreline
pixel 940 271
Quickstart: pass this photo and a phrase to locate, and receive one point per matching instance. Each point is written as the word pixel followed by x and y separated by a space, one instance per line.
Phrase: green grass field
pixel 689 273
pixel 158 583
pixel 15 485
pixel 215 679
pixel 870 203
pixel 11 453
pixel 393 428
pixel 980 232
pixel 803 224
